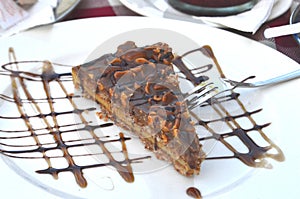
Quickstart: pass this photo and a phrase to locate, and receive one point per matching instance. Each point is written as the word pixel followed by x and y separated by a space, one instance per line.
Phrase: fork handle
pixel 282 30
pixel 286 77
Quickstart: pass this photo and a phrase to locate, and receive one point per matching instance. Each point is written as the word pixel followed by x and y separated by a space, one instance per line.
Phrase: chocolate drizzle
pixel 255 157
pixel 19 78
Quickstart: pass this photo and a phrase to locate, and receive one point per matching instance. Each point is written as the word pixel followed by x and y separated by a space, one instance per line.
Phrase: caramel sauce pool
pixel 193 192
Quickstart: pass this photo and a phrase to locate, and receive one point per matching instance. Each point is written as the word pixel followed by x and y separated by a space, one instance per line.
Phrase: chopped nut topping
pixel 119 74
pixel 115 61
pixel 177 123
pixel 150 120
pixel 175 132
pixel 157 98
pixel 124 99
pixel 164 138
pixel 147 88
pixel 100 86
pixel 91 76
pixel 141 61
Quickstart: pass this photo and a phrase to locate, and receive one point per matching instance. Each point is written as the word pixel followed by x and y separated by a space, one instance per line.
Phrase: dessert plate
pixel 238 57
pixel 160 8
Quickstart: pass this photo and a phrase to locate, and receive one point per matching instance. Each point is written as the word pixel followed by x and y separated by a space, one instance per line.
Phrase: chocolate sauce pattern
pixel 255 157
pixel 19 79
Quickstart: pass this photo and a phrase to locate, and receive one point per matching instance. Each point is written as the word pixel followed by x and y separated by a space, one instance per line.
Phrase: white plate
pixel 160 8
pixel 71 43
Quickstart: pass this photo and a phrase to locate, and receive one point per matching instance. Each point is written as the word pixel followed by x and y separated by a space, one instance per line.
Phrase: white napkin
pixel 10 14
pixel 38 14
pixel 248 21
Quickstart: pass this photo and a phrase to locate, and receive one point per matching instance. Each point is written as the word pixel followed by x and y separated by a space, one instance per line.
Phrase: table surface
pixel 101 8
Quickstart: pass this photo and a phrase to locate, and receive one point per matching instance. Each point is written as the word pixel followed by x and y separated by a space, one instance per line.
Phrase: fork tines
pixel 199 94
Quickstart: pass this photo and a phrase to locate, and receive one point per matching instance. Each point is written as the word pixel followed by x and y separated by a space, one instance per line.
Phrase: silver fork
pixel 202 92
pixel 276 80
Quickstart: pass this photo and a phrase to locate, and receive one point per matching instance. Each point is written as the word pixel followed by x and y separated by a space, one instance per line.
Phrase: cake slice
pixel 137 88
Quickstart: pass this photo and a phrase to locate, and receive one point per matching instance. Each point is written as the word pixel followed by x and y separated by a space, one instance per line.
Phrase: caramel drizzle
pixel 18 81
pixel 193 192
